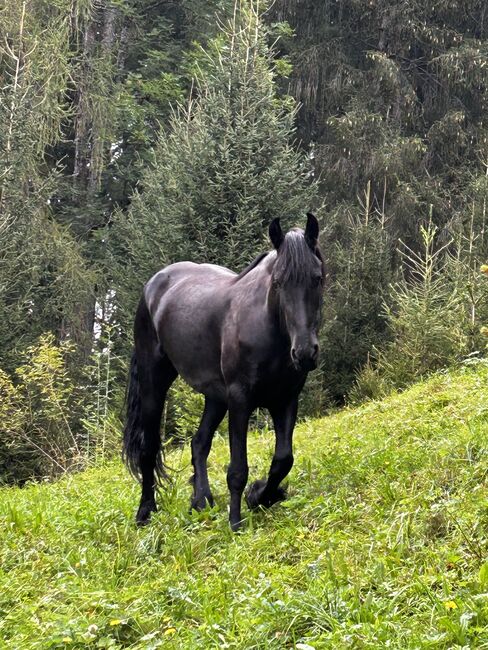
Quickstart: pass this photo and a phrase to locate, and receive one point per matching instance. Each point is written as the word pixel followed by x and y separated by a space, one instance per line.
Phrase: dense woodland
pixel 135 133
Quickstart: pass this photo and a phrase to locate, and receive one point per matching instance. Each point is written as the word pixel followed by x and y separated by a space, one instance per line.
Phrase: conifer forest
pixel 137 133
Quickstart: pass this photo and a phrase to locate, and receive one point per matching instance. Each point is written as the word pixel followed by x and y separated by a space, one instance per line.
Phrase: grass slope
pixel 382 543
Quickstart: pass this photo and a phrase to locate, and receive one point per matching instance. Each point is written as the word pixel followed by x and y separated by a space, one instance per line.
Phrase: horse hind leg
pixel 201 443
pixel 155 382
pixel 151 374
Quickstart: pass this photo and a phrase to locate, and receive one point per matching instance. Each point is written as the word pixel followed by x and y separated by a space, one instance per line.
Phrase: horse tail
pixel 142 444
pixel 133 441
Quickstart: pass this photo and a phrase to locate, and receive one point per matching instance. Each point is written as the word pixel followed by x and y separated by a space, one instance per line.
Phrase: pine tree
pixel 224 168
pixel 425 313
pixel 393 94
pixel 360 271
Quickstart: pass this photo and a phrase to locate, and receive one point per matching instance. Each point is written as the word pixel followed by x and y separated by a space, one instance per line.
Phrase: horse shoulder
pixel 246 342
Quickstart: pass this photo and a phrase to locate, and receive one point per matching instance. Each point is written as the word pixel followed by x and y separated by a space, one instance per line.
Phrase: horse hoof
pixel 143 516
pixel 254 493
pixel 256 496
pixel 236 526
pixel 278 495
pixel 200 503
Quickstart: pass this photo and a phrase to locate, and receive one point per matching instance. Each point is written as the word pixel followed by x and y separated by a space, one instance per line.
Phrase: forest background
pixel 135 133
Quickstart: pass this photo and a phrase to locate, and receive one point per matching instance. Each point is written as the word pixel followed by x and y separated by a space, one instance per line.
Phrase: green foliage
pixel 184 412
pixel 44 284
pixel 425 318
pixel 154 51
pixel 432 315
pixel 360 262
pixel 393 97
pixel 221 171
pixel 391 93
pixel 43 277
pixel 54 419
pixel 381 543
pixel 38 408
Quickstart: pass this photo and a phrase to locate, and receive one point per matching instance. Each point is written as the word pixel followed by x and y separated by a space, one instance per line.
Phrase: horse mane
pixel 251 266
pixel 296 261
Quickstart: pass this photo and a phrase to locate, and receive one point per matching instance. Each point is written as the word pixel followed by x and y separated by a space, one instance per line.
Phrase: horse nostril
pixel 315 351
pixel 293 354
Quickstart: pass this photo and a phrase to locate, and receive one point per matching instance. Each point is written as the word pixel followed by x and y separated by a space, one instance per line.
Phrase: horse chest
pixel 276 381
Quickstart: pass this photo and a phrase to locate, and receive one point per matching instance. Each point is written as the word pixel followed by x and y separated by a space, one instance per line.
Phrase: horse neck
pixel 272 305
pixel 257 286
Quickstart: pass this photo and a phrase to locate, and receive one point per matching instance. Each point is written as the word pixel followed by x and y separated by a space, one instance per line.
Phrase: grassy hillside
pixel 382 543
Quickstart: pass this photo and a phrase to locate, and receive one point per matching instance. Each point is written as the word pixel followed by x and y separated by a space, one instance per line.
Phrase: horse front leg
pixel 238 472
pixel 267 492
pixel 201 443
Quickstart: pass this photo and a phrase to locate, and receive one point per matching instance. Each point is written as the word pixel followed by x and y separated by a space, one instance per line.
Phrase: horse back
pixel 188 304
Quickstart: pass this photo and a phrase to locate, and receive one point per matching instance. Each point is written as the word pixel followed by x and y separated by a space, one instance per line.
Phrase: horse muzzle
pixel 305 360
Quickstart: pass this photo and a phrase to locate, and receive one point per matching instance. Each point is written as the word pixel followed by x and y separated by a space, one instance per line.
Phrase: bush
pixel 37 415
pixel 54 419
pixel 432 318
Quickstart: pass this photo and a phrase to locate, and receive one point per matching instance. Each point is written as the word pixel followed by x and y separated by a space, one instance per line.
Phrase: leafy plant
pixel 424 314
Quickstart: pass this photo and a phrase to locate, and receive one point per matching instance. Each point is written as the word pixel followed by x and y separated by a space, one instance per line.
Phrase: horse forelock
pixel 296 262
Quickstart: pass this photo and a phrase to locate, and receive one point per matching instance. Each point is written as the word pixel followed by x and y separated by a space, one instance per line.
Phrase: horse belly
pixel 191 339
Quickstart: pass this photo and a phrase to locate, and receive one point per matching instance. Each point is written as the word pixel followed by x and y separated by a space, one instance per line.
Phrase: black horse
pixel 244 341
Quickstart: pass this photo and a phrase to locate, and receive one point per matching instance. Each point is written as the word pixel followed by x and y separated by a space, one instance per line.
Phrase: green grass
pixel 382 542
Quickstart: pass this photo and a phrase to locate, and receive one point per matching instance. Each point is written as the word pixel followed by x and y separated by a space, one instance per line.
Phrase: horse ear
pixel 312 230
pixel 275 233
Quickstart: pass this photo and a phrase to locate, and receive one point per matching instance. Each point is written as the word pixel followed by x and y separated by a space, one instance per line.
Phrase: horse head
pixel 297 286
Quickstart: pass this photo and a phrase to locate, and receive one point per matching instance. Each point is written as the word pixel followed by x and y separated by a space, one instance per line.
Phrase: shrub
pixel 37 415
pixel 426 319
pixel 53 418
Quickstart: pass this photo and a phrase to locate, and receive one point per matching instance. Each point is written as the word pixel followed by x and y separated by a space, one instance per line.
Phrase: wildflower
pixel 484 269
pixel 115 621
pixel 169 631
pixel 450 604
pixel 484 331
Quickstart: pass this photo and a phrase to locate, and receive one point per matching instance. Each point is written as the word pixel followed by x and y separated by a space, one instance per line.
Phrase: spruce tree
pixel 222 170
pixel 393 97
